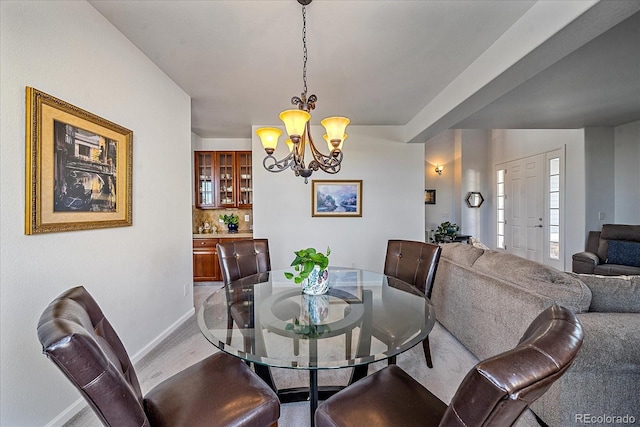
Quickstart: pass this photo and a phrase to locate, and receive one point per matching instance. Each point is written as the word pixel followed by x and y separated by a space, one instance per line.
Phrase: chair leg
pixel 347 345
pixel 229 328
pixel 427 352
pixel 391 360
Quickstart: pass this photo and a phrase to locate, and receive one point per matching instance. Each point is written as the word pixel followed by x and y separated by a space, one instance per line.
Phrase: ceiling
pixel 423 65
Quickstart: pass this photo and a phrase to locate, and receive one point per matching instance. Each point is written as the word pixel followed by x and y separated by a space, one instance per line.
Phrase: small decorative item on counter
pixel 311 271
pixel 231 221
pixel 446 232
pixel 206 227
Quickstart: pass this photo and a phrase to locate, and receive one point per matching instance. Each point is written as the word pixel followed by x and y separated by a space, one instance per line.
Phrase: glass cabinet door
pixel 245 183
pixel 205 189
pixel 226 180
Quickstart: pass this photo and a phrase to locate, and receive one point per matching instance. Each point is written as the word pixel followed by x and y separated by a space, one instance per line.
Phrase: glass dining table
pixel 365 317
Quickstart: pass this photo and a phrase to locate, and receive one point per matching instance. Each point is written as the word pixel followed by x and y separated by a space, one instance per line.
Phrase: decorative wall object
pixel 429 197
pixel 78 168
pixel 474 199
pixel 336 198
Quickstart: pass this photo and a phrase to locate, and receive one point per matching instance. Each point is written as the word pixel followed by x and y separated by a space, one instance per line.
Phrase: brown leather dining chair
pixel 494 393
pixel 239 259
pixel 220 390
pixel 414 263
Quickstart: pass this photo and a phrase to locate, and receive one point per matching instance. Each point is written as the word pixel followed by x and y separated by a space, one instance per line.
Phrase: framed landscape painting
pixel 336 198
pixel 78 168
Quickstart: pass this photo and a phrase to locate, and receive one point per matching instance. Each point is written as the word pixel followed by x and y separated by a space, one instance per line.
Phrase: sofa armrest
pixel 585 262
pixel 611 343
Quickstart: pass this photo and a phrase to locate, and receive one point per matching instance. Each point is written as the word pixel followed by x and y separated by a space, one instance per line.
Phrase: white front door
pixel 524 207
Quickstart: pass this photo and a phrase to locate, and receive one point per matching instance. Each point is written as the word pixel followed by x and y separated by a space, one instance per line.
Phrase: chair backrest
pixel 413 262
pixel 497 390
pixel 78 339
pixel 241 258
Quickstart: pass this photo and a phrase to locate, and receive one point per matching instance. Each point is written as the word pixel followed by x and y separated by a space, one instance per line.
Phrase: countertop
pixel 241 234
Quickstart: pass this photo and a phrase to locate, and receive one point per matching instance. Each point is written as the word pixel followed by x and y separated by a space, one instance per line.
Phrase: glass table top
pixel 365 317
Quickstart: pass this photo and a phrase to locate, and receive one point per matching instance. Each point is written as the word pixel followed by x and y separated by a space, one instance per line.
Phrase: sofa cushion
pixel 612 294
pixel 614 270
pixel 462 253
pixel 623 253
pixel 616 232
pixel 546 281
pixel 620 232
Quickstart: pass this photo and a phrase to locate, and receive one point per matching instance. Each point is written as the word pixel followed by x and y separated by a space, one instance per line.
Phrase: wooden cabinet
pixel 206 267
pixel 223 179
pixel 205 261
pixel 245 179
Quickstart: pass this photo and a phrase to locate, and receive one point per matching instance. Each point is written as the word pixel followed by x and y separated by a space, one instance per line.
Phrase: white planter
pixel 317 283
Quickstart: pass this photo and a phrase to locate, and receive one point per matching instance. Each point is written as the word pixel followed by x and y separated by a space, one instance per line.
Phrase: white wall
pixel 138 274
pixel 465 155
pixel 599 151
pixel 441 150
pixel 627 174
pixel 393 204
pixel 513 144
pixel 475 176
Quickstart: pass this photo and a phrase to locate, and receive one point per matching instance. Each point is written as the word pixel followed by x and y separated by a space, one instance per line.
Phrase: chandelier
pixel 296 122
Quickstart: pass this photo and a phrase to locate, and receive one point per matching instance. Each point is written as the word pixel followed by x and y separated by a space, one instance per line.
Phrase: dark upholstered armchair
pixel 217 391
pixel 611 252
pixel 415 263
pixel 494 393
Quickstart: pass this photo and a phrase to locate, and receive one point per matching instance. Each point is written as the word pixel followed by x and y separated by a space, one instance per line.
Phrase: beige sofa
pixel 486 299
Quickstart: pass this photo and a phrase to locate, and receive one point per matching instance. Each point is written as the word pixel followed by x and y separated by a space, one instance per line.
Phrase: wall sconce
pixel 438 169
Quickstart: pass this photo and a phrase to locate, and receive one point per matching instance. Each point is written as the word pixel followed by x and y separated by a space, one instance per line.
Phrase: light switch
pixel 246 218
pixel 600 215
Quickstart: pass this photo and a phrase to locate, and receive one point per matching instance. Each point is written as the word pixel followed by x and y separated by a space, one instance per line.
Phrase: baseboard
pixel 66 415
pixel 72 410
pixel 146 349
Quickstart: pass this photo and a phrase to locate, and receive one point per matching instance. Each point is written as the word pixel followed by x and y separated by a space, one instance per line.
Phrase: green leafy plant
pixel 305 261
pixel 306 330
pixel 446 232
pixel 229 219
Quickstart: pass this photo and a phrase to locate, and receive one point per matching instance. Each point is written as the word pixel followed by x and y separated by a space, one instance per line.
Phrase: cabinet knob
pixel 202 243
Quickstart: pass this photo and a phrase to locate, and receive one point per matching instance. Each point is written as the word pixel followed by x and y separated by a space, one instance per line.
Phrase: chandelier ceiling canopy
pixel 296 122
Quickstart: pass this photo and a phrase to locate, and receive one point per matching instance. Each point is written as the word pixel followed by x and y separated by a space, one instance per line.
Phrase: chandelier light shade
pixel 296 122
pixel 330 145
pixel 335 127
pixel 269 138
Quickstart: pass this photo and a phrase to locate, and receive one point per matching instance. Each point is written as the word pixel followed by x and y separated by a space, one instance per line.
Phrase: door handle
pixel 539 226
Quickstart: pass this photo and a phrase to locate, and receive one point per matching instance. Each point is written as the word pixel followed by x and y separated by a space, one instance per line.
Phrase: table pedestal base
pixel 313 393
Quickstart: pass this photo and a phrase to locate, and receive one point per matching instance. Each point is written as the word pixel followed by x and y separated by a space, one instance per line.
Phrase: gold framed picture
pixel 78 168
pixel 336 198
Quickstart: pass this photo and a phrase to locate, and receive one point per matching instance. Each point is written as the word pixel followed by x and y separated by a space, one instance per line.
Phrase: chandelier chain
pixel 304 49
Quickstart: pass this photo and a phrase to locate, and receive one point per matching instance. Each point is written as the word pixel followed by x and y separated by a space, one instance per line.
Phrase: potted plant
pixel 446 232
pixel 231 221
pixel 311 270
pixel 307 330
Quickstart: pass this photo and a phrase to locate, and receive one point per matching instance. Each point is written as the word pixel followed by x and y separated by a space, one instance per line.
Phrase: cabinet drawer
pixel 205 243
